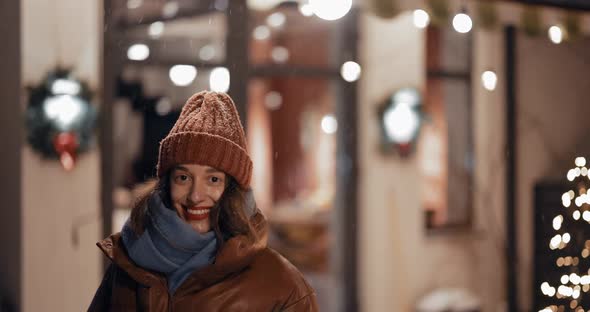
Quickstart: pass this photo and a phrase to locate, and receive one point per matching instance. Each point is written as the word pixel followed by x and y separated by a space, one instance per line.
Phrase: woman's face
pixel 194 190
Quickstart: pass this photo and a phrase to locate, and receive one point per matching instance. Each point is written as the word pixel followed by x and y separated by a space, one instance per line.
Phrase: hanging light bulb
pixel 421 18
pixel 330 9
pixel 555 34
pixel 462 22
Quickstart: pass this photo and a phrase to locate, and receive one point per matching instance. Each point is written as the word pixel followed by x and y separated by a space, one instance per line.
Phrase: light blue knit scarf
pixel 169 245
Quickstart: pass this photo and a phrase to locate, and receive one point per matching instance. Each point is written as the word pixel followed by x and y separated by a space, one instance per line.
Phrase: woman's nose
pixel 197 193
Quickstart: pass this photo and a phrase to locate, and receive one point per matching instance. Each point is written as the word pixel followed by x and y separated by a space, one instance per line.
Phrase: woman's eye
pixel 215 179
pixel 182 178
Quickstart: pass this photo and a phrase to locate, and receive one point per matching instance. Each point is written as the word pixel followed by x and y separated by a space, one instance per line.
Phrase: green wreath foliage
pixel 42 128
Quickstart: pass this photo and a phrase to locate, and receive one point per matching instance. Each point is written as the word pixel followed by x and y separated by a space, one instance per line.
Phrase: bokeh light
pixel 489 80
pixel 182 75
pixel 350 71
pixel 329 124
pixel 555 34
pixel 138 52
pixel 421 18
pixel 219 79
pixel 462 23
pixel 330 9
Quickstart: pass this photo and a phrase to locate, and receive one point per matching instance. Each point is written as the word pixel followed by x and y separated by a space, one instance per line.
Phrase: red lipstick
pixel 197 213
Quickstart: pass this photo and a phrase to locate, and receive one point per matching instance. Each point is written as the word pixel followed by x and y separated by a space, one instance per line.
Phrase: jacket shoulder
pixel 282 274
pixel 274 262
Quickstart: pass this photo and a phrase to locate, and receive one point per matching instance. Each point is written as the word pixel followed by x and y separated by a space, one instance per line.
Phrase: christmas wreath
pixel 60 119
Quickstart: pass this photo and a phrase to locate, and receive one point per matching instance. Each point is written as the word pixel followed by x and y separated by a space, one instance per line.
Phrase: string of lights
pixel 561 29
pixel 569 246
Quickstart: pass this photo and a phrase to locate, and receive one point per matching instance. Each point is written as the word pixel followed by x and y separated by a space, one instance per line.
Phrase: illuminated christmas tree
pixel 568 280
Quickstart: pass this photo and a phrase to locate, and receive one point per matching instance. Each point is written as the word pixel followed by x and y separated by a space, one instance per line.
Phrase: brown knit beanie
pixel 208 132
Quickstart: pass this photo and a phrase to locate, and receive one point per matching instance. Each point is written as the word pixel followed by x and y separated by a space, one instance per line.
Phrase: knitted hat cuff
pixel 205 149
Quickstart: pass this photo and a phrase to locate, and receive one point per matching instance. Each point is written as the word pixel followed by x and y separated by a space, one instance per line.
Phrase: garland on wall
pixel 559 25
pixel 439 12
pixel 60 119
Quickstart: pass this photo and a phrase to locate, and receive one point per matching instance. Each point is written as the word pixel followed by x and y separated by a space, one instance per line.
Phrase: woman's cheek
pixel 216 192
pixel 176 192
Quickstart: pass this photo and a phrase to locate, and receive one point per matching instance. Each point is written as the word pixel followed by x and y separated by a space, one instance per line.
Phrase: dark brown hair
pixel 228 216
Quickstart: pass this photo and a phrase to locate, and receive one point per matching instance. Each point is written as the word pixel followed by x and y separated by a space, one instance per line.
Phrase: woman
pixel 196 242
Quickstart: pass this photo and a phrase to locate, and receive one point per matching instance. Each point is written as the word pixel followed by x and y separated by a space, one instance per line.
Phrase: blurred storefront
pixel 396 144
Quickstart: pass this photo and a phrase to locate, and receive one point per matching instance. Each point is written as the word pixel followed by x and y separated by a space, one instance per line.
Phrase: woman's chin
pixel 202 226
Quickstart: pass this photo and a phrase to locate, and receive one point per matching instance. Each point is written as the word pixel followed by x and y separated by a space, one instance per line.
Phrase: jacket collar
pixel 236 254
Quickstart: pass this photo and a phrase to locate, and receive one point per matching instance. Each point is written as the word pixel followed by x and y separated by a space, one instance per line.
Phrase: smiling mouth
pixel 197 213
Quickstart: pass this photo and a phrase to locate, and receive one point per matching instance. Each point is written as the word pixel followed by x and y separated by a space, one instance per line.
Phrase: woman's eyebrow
pixel 212 170
pixel 181 168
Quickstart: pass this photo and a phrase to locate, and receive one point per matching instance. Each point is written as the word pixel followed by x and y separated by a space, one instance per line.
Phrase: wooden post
pixel 511 191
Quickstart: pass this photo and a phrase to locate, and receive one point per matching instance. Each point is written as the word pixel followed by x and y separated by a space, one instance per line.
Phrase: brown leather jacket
pixel 244 277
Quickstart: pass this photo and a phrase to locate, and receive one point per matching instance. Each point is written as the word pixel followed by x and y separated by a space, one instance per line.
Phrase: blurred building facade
pixel 53 218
